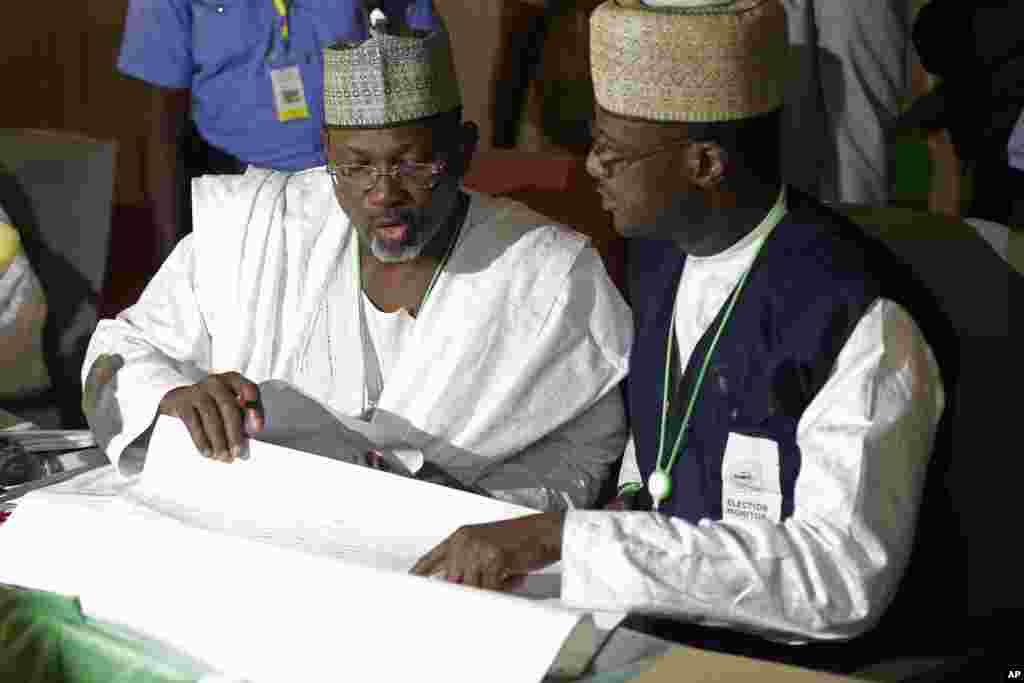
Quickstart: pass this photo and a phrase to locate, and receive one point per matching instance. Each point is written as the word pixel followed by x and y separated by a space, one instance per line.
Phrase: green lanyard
pixel 282 11
pixel 659 484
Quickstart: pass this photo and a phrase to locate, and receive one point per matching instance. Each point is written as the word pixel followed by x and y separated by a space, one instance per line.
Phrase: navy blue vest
pixel 808 289
pixel 815 277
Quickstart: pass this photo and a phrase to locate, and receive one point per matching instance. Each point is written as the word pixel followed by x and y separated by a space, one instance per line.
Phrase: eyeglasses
pixel 409 173
pixel 618 162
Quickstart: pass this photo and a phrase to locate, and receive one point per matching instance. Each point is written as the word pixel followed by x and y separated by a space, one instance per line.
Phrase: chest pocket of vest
pixel 751 479
pixel 221 33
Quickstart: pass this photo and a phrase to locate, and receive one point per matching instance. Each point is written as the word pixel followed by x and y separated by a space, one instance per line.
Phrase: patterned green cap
pixel 399 75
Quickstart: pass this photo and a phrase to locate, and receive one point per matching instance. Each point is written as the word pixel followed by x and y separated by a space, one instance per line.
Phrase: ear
pixel 707 164
pixel 469 137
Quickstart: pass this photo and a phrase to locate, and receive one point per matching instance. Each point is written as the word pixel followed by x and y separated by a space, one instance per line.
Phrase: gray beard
pixel 408 252
pixel 424 226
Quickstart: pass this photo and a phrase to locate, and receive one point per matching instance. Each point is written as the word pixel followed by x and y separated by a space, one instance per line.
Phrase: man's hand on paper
pixel 220 412
pixel 497 555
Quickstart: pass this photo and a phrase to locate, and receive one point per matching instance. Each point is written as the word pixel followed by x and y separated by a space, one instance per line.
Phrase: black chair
pixel 961 559
pixel 57 188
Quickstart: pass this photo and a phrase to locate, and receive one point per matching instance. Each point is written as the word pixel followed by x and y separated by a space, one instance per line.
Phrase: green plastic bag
pixel 45 638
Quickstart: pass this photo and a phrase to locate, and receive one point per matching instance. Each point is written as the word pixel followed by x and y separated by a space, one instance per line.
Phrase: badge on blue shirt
pixel 289 95
pixel 285 77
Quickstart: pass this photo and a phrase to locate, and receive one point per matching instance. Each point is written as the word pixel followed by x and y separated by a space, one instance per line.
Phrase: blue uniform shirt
pixel 223 50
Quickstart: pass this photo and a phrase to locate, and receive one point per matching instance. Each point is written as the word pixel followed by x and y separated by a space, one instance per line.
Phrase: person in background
pixel 234 82
pixel 379 287
pixel 980 97
pixel 849 61
pixel 783 405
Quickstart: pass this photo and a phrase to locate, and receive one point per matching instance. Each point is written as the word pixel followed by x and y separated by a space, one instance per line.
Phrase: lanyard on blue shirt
pixel 282 7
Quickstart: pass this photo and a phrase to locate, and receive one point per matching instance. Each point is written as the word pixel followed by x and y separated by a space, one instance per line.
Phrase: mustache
pixel 400 215
pixel 422 219
pixel 410 217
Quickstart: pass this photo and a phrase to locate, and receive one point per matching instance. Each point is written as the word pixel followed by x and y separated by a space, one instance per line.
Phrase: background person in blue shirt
pixel 226 93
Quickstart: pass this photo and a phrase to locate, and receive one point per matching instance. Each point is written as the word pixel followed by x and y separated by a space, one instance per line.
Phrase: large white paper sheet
pixel 265 613
pixel 282 490
pixel 288 566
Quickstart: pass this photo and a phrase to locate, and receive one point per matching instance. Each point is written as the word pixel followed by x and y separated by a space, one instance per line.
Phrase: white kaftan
pixel 508 378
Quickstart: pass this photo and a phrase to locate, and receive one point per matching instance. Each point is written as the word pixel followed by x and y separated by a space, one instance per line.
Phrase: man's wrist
pixel 554 523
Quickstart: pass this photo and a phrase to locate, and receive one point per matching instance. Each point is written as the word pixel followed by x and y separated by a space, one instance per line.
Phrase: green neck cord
pixel 774 217
pixel 700 377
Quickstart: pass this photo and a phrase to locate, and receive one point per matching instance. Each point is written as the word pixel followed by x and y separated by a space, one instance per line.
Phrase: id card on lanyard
pixel 285 78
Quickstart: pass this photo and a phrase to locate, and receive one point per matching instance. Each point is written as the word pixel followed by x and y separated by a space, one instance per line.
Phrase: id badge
pixel 751 483
pixel 289 94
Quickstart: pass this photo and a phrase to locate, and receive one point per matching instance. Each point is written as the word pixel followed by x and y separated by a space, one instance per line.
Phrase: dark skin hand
pixel 498 555
pixel 220 413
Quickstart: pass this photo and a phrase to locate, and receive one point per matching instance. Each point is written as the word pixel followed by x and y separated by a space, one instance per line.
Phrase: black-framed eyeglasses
pixel 611 162
pixel 409 173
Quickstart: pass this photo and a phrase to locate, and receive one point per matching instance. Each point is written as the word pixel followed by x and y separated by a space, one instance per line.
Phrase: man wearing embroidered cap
pixel 380 287
pixel 782 404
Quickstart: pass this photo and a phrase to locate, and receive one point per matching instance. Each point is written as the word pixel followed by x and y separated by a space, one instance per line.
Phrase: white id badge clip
pixel 289 94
